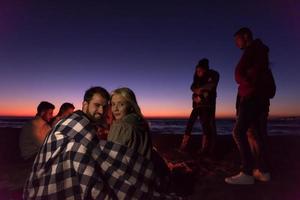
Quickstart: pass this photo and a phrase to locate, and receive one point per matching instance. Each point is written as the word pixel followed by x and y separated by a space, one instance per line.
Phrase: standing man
pixel 34 133
pixel 204 88
pixel 255 88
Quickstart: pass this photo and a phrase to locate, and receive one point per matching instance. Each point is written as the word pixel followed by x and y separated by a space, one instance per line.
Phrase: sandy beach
pixel 205 182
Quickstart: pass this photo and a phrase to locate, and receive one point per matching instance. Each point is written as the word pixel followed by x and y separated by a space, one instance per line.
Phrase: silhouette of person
pixel 73 163
pixel 255 88
pixel 204 88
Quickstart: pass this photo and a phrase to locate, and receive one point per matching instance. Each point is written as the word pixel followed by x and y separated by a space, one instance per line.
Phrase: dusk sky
pixel 55 50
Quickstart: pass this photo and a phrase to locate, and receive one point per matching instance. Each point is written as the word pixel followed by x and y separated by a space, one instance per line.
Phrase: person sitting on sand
pixel 33 133
pixel 204 88
pixel 74 164
pixel 65 110
pixel 129 127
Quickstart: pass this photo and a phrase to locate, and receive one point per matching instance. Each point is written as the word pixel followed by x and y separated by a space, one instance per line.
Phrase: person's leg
pixel 190 124
pixel 252 135
pixel 257 139
pixel 257 134
pixel 248 112
pixel 208 127
pixel 189 128
pixel 214 130
pixel 262 163
pixel 244 120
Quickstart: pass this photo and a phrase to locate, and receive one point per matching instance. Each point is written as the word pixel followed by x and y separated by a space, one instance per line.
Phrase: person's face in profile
pixel 96 108
pixel 119 106
pixel 240 41
pixel 200 72
pixel 47 115
pixel 68 112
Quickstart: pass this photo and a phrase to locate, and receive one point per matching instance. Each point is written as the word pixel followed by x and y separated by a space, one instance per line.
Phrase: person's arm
pixel 212 83
pixel 121 133
pixel 243 72
pixel 194 86
pixel 40 132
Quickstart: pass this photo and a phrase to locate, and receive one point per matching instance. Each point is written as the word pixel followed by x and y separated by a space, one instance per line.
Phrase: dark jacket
pixel 208 83
pixel 133 132
pixel 251 68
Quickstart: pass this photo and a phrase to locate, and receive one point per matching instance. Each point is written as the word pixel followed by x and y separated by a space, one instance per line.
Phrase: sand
pixel 206 182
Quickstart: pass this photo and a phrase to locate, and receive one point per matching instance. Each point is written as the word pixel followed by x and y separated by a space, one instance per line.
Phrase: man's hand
pixel 198 91
pixel 197 99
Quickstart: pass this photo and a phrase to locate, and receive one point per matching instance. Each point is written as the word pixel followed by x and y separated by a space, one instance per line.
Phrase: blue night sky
pixel 55 50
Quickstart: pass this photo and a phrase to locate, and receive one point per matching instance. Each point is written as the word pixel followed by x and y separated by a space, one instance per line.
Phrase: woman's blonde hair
pixel 130 98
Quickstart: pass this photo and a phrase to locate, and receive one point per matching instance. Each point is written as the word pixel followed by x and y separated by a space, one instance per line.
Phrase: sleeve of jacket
pixel 244 72
pixel 212 82
pixel 194 85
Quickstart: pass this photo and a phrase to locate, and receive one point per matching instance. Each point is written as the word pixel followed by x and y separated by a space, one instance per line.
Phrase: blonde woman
pixel 129 128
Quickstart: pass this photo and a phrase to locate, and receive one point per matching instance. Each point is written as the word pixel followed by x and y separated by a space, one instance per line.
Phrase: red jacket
pixel 253 63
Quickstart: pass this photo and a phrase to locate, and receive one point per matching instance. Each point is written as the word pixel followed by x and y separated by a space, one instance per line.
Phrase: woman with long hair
pixel 129 127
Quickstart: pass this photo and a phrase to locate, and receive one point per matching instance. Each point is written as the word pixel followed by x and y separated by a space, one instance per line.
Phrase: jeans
pixel 207 120
pixel 249 134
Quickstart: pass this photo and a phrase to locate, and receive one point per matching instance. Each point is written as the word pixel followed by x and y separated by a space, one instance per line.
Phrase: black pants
pixel 207 120
pixel 250 133
pixel 257 138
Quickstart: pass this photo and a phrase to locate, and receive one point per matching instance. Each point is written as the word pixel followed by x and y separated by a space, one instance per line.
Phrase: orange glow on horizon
pixel 147 113
pixel 149 109
pixel 151 113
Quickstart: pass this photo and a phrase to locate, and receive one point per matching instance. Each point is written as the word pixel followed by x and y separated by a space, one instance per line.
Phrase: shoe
pixel 260 176
pixel 240 179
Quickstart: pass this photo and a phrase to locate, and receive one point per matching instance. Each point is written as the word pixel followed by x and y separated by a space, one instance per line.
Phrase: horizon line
pixel 168 117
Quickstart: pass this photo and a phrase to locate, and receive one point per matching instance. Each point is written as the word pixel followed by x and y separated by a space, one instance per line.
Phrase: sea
pixel 276 126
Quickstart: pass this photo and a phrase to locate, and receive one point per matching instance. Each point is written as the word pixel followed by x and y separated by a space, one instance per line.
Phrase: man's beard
pixel 96 118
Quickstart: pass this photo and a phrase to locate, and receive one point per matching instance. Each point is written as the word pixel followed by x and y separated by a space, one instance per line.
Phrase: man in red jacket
pixel 253 102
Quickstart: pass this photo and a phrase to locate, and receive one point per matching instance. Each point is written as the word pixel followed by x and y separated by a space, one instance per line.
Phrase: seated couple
pixel 74 164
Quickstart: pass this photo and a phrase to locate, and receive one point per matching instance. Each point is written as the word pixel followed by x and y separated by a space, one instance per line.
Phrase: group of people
pixel 72 161
pixel 34 132
pixel 256 86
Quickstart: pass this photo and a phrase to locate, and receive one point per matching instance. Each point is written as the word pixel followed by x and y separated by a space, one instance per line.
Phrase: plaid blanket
pixel 74 164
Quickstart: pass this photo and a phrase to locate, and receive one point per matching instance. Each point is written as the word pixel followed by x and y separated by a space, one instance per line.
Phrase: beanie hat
pixel 203 63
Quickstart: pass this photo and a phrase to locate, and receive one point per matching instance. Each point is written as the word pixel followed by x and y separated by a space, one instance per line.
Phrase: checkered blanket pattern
pixel 74 164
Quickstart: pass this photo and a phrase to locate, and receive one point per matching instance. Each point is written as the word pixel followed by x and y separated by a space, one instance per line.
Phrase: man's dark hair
pixel 64 107
pixel 95 90
pixel 203 63
pixel 44 106
pixel 244 31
